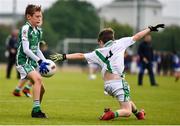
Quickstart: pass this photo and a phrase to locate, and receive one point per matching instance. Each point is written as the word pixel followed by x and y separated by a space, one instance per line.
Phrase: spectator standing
pixel 12 50
pixel 145 52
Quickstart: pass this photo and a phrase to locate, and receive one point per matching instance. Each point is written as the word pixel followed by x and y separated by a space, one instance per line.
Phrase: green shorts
pixel 24 70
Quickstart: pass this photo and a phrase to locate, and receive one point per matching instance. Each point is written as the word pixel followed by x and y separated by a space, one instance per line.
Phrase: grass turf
pixel 71 98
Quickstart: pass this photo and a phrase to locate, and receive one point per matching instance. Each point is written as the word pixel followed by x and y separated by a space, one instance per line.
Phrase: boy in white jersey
pixel 29 56
pixel 110 56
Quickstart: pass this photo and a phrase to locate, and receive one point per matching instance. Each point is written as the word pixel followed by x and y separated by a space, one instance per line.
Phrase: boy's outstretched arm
pixel 78 56
pixel 146 31
pixel 61 57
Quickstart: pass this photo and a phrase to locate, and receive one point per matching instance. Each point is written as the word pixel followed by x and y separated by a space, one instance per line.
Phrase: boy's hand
pixel 155 28
pixel 43 67
pixel 58 57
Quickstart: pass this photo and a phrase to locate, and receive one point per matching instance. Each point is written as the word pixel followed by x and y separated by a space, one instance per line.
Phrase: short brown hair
pixel 106 34
pixel 31 9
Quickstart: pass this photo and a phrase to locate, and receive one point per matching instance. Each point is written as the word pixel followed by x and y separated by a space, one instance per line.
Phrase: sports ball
pixel 51 67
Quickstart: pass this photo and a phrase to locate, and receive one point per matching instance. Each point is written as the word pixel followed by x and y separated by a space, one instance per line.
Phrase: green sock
pixel 27 87
pixel 36 106
pixel 116 114
pixel 18 89
pixel 135 112
pixel 36 109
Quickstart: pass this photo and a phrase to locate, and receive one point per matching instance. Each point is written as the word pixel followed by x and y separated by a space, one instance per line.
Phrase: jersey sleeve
pixel 125 42
pixel 24 34
pixel 91 57
pixel 40 54
pixel 28 52
pixel 25 44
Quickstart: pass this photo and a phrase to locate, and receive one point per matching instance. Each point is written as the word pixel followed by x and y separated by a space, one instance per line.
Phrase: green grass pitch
pixel 71 98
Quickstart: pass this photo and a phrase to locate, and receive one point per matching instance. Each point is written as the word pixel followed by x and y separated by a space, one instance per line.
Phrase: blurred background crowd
pixel 163 63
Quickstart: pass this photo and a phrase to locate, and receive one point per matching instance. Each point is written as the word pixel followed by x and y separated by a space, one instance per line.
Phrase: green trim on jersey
pixel 126 90
pixel 34 37
pixel 106 61
pixel 109 43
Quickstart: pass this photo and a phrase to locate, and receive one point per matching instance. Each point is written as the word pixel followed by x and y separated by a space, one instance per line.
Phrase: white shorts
pixel 119 89
pixel 24 70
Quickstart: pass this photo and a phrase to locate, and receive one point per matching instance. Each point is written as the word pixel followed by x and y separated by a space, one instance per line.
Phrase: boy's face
pixel 35 19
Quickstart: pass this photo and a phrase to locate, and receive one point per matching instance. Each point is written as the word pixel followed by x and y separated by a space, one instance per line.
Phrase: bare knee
pixel 38 80
pixel 127 113
pixel 126 109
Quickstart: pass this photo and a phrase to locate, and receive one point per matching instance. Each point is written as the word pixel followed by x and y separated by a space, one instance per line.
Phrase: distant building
pixel 136 13
pixel 171 20
pixel 8 18
pixel 171 11
pixel 12 11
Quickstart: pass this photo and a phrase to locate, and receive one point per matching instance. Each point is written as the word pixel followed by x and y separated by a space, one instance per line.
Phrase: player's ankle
pixel 135 112
pixel 116 114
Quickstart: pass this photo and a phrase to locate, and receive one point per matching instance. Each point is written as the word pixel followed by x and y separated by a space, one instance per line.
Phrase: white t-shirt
pixel 111 56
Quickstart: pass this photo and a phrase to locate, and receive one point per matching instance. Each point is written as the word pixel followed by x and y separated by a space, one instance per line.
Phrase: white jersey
pixel 111 56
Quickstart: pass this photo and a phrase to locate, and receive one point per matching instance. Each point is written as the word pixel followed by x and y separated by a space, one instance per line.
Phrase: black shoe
pixel 38 114
pixel 154 85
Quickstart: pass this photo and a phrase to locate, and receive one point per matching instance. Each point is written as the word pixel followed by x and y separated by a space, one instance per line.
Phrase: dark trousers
pixel 11 63
pixel 149 67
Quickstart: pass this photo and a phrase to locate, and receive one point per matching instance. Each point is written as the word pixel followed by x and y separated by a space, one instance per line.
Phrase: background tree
pixel 167 40
pixel 49 35
pixel 73 19
pixel 120 29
